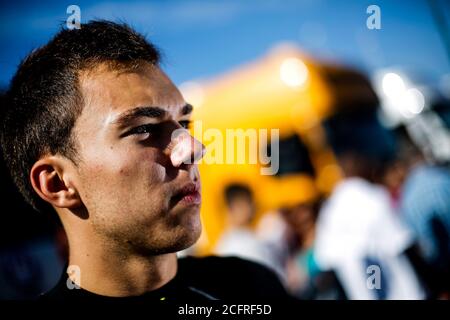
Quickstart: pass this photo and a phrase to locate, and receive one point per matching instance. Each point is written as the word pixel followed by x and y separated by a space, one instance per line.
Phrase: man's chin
pixel 179 245
pixel 184 237
pixel 183 246
pixel 191 235
pixel 179 230
pixel 185 219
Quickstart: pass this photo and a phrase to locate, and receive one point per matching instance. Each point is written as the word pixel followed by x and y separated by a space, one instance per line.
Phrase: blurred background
pixel 359 207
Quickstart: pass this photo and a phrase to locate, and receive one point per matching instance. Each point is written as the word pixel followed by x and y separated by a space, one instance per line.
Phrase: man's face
pixel 134 194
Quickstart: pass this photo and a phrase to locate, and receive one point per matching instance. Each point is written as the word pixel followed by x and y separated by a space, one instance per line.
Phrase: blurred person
pixel 301 220
pixel 88 131
pixel 359 236
pixel 305 278
pixel 393 179
pixel 239 239
pixel 273 231
pixel 425 207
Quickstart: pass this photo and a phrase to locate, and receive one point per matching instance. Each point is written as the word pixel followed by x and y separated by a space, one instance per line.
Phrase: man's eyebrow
pixel 149 112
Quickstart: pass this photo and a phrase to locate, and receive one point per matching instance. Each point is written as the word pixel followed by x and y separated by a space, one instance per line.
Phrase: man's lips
pixel 189 194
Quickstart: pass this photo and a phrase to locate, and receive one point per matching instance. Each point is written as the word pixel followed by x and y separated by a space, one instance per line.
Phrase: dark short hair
pixel 44 98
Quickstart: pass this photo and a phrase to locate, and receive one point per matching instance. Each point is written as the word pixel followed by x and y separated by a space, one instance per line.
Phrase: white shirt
pixel 244 243
pixel 356 223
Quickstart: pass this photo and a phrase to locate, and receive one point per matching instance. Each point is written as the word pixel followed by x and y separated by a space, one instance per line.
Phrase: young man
pixel 89 131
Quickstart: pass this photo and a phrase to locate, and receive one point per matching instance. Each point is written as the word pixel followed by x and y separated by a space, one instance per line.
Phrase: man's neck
pixel 108 272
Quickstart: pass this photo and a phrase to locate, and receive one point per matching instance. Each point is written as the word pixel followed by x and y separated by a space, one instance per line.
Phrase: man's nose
pixel 185 148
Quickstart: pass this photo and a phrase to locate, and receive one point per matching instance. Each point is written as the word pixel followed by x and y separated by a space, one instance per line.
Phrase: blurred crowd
pixel 383 232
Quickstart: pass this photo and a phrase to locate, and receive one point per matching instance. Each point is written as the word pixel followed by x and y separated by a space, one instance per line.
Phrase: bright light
pixel 401 101
pixel 410 103
pixel 414 101
pixel 293 72
pixel 393 85
pixel 193 93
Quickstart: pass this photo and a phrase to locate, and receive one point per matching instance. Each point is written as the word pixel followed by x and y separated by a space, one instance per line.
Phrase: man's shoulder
pixel 231 277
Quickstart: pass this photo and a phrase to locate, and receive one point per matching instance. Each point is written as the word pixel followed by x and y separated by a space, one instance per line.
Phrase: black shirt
pixel 197 279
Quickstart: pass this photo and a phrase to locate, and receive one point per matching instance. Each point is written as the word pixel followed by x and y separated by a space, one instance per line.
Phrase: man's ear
pixel 51 179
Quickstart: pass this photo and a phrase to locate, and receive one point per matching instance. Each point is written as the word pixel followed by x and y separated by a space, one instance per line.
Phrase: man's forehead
pixel 116 91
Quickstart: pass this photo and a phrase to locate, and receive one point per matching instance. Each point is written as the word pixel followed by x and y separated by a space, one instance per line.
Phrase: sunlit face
pixel 132 191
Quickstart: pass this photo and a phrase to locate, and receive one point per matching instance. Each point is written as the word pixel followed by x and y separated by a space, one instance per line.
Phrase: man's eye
pixel 185 123
pixel 146 128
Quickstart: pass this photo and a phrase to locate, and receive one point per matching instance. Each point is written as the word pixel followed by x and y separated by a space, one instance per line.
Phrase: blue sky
pixel 201 39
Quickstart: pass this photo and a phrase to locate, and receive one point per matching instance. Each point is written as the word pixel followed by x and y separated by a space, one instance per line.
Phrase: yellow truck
pixel 281 98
